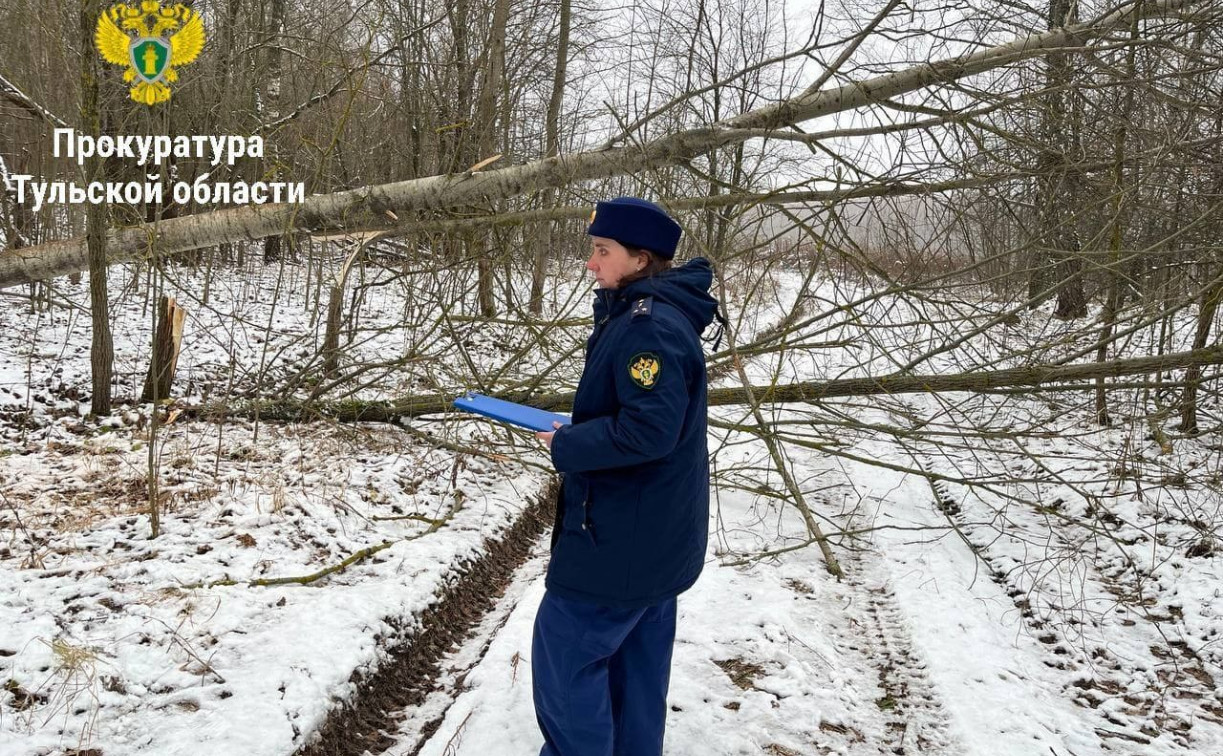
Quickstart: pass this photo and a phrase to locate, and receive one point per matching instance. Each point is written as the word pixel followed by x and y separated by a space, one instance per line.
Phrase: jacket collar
pixel 609 303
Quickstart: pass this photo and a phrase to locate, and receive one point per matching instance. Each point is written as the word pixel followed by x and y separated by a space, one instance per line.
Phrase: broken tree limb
pixel 780 463
pixel 395 410
pixel 300 579
pixel 366 208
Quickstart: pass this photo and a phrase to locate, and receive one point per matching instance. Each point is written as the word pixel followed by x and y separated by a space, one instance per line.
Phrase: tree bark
pixel 1211 297
pixel 804 392
pixel 1206 316
pixel 272 244
pixel 539 269
pixel 1117 226
pixel 13 235
pixel 484 130
pixel 102 350
pixel 169 340
pixel 1058 246
pixel 335 306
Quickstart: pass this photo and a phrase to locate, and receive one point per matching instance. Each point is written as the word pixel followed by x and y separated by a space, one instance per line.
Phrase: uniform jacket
pixel 633 510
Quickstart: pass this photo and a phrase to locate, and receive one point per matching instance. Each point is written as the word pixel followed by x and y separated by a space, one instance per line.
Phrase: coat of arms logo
pixel 150 41
pixel 644 369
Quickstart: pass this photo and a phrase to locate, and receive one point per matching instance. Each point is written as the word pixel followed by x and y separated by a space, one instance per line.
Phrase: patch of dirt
pixel 743 674
pixel 23 699
pixel 854 736
pixel 798 586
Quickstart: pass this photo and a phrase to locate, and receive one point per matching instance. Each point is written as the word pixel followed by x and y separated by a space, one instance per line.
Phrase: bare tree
pixel 102 354
pixel 548 242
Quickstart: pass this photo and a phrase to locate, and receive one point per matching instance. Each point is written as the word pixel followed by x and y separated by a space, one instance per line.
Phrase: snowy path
pixel 776 695
pixel 472 665
pixel 988 673
pixel 915 718
pixel 1114 639
pixel 918 651
pixel 777 660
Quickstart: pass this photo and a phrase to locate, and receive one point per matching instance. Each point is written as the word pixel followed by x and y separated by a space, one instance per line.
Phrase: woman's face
pixel 611 262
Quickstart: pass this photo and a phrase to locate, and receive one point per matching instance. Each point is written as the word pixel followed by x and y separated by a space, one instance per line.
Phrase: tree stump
pixel 170 319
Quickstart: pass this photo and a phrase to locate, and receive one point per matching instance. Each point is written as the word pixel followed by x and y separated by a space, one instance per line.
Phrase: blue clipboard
pixel 509 412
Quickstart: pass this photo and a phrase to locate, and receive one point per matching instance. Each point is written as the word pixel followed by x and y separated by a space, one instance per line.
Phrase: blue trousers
pixel 600 677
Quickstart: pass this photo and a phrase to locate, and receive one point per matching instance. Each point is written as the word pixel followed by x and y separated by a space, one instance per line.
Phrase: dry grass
pixel 742 673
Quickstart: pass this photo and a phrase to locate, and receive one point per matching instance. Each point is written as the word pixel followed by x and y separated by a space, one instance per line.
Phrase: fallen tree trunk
pixel 368 207
pixel 807 391
pixel 864 191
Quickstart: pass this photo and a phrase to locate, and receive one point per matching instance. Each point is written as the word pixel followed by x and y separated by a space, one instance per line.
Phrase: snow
pixel 230 668
pixel 1051 606
pixel 916 616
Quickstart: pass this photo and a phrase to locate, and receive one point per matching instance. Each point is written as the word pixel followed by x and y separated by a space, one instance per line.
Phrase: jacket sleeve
pixel 651 378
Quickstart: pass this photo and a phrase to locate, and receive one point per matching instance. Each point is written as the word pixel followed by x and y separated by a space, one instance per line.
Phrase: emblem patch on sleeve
pixel 644 368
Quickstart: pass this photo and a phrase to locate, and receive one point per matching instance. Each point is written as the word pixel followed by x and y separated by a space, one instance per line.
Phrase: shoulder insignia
pixel 642 307
pixel 644 368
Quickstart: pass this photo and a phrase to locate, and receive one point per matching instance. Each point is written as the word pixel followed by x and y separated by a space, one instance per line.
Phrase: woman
pixel 632 515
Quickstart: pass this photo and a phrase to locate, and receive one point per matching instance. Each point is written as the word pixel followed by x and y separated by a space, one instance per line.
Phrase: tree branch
pixel 12 93
pixel 368 206
pixel 403 408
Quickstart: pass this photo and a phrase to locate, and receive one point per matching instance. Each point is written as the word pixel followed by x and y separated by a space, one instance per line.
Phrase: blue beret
pixel 637 223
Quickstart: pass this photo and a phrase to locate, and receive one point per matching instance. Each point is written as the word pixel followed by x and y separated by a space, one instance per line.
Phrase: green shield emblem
pixel 150 56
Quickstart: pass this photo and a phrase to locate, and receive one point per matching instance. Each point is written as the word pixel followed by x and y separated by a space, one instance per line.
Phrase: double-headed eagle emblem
pixel 150 41
pixel 644 369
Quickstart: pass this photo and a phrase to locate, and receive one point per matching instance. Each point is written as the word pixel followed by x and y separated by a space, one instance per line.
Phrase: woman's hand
pixel 546 436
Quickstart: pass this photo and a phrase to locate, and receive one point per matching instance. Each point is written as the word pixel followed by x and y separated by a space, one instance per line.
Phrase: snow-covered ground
pixel 1052 589
pixel 921 649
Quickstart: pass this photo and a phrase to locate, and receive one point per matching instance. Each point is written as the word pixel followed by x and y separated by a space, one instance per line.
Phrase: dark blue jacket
pixel 633 512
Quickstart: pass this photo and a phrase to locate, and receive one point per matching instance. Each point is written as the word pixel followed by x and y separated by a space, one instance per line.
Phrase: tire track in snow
pixel 914 720
pixel 1182 692
pixel 419 723
pixel 396 689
